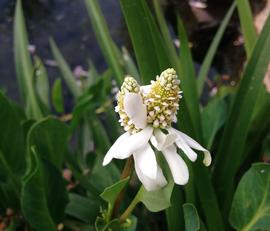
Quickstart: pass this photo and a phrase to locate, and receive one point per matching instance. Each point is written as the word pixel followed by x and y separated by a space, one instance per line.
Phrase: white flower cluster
pixel 146 113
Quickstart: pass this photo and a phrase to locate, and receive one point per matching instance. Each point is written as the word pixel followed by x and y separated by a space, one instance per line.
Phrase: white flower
pixel 146 113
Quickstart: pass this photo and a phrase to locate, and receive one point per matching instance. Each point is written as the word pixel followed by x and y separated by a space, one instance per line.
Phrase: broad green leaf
pixel 230 152
pixel 213 48
pixel 213 117
pixel 251 204
pixel 49 137
pixel 110 193
pixel 65 70
pixel 192 220
pixel 42 82
pixel 44 196
pixel 57 97
pixel 146 39
pixel 247 25
pixel 11 137
pixel 156 201
pixel 104 39
pixel 82 208
pixel 24 66
pixel 103 176
pixel 10 185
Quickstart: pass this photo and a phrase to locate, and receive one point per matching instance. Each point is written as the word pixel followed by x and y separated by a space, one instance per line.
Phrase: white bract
pixel 146 113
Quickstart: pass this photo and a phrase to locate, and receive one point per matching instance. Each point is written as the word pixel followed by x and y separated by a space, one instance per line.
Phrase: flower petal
pixel 112 151
pixel 145 159
pixel 161 140
pixel 134 143
pixel 146 89
pixel 135 109
pixel 177 165
pixel 193 144
pixel 150 184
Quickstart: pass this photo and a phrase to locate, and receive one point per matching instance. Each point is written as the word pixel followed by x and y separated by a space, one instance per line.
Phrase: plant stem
pixel 126 172
pixel 132 205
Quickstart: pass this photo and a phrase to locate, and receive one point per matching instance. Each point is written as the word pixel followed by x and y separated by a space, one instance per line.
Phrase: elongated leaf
pixel 146 39
pixel 42 82
pixel 251 204
pixel 188 84
pixel 184 67
pixel 43 194
pixel 191 115
pixel 192 125
pixel 174 214
pixel 24 66
pixel 212 49
pixel 104 38
pixel 232 144
pixel 57 97
pixel 65 70
pixel 49 136
pixel 247 25
pixel 213 117
pixel 192 221
pixel 129 64
pixel 92 76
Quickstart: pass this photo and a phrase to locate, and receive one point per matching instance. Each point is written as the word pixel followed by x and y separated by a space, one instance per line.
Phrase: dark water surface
pixel 67 22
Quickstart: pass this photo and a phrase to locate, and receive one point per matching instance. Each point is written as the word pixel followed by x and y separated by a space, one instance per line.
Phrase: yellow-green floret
pixel 162 100
pixel 129 85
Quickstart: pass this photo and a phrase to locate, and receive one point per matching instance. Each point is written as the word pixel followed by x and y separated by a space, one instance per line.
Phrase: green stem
pixel 127 171
pixel 132 205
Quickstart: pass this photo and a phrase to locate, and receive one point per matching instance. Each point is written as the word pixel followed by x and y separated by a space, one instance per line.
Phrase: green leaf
pixel 11 137
pixel 110 193
pixel 44 196
pixel 92 76
pixel 190 100
pixel 174 214
pixel 42 82
pixel 146 39
pixel 129 64
pixel 24 66
pixel 49 136
pixel 230 152
pixel 104 39
pixel 247 25
pixel 103 176
pixel 251 204
pixel 192 126
pixel 57 97
pixel 192 221
pixel 213 117
pixel 65 70
pixel 82 208
pixel 213 48
pixel 156 201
